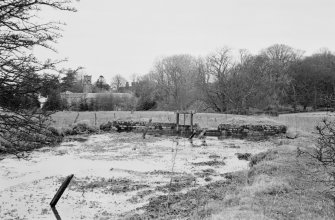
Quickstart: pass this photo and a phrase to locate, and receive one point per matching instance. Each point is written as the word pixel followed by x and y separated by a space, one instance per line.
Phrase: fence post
pixel 177 121
pixel 75 120
pixel 146 128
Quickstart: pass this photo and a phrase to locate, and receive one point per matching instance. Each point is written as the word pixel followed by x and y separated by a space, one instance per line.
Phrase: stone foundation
pixel 153 127
pixel 224 130
pixel 249 130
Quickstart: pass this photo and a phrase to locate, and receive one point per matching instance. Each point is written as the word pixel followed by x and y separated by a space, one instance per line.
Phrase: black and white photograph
pixel 167 109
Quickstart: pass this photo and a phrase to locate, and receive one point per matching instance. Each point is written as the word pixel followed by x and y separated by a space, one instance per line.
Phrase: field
pixel 206 120
pixel 122 176
pixel 300 121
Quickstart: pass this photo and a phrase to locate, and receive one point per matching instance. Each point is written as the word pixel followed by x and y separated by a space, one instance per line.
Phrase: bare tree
pixel 213 75
pixel 117 82
pixel 279 59
pixel 175 77
pixel 20 31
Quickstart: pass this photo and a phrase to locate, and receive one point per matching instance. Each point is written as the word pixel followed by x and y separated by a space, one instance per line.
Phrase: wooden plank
pixel 202 134
pixel 192 135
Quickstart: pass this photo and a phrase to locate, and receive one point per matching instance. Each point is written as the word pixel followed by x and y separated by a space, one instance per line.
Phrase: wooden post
pixel 202 134
pixel 192 135
pixel 203 137
pixel 54 210
pixel 191 122
pixel 75 120
pixel 146 128
pixel 177 121
pixel 95 119
pixel 61 190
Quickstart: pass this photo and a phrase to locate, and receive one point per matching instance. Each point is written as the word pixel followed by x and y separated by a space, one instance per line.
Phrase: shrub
pixel 243 156
pixel 106 126
pixel 67 131
pixel 83 127
pixel 83 106
pixel 268 155
pixel 324 151
pixel 54 102
pixel 56 131
pixel 144 104
pixel 264 184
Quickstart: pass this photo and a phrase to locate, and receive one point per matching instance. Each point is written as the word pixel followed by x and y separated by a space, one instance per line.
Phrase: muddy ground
pixel 122 176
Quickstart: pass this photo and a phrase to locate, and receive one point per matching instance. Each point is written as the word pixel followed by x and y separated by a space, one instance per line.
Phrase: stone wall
pixel 251 130
pixel 153 127
pixel 224 130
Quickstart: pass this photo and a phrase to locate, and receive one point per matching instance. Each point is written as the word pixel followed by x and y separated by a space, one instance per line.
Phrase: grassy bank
pixel 281 184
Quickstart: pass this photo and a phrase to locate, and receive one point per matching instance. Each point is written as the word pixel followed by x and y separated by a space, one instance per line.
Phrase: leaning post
pixel 191 122
pixel 61 190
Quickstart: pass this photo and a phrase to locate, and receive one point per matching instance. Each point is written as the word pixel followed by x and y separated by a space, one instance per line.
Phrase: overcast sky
pixel 109 37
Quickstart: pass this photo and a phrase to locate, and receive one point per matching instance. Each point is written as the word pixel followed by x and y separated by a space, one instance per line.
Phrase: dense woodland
pixel 278 79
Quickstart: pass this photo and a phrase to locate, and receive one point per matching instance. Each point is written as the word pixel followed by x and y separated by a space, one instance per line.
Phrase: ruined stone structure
pixel 248 131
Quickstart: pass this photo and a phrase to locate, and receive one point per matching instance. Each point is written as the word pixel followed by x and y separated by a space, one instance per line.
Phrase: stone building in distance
pixel 122 100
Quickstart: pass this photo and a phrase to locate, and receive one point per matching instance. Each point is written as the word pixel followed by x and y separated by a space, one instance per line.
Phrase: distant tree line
pixel 279 78
pixel 276 79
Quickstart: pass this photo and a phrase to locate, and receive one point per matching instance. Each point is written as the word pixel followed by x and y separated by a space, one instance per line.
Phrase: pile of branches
pixel 25 130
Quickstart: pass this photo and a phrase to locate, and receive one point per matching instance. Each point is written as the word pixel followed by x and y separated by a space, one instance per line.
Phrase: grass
pixel 304 122
pixel 278 186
